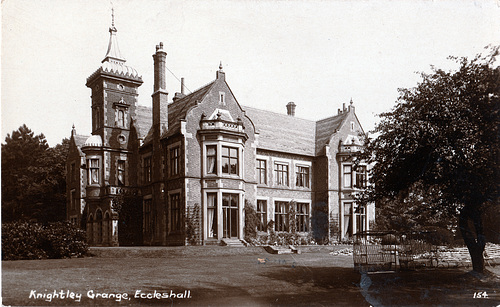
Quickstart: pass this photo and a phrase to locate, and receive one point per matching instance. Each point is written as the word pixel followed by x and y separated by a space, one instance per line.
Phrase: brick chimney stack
pixel 160 94
pixel 290 108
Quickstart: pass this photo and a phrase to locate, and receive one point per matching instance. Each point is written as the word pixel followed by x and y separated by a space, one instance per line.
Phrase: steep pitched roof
pixel 177 110
pixel 325 128
pixel 280 132
pixel 80 139
pixel 143 120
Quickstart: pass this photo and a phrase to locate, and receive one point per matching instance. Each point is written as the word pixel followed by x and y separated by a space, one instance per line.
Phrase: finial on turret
pixel 351 101
pixel 220 66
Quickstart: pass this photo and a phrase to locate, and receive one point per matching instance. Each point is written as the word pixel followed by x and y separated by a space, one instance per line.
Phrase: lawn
pixel 221 276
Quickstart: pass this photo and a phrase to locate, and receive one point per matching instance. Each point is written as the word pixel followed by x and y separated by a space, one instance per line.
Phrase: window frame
pixel 120 172
pixel 175 216
pixel 302 218
pixel 282 174
pixel 281 216
pixel 262 171
pixel 93 169
pixel 175 160
pixel 347 176
pixel 214 156
pixel 361 177
pixel 230 158
pixel 261 214
pixel 302 179
pixel 147 167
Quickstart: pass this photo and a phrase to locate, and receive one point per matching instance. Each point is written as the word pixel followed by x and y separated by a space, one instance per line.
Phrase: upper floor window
pixel 281 173
pixel 121 118
pixel 73 171
pixel 120 172
pixel 229 160
pixel 212 159
pixel 302 176
pixel 147 170
pixel 175 161
pixel 347 176
pixel 93 171
pixel 361 177
pixel 261 171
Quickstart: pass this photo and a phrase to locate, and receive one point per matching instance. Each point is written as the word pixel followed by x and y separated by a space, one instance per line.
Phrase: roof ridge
pixel 274 112
pixel 333 116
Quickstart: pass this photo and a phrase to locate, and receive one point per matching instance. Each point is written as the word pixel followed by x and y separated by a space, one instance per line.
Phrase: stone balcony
pixel 223 127
pixel 217 124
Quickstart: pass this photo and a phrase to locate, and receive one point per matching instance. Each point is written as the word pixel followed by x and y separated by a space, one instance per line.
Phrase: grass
pixel 224 276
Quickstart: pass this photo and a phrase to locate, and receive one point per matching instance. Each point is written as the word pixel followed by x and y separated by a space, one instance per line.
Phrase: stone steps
pixel 233 242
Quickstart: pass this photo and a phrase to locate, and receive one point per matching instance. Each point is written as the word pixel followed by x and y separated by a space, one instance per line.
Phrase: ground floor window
pixel 230 215
pixel 347 220
pixel 262 215
pixel 212 215
pixel 175 212
pixel 281 216
pixel 360 219
pixel 302 217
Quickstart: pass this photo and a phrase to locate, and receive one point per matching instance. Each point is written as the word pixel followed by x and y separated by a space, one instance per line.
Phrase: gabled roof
pixel 281 132
pixel 177 110
pixel 80 139
pixel 325 128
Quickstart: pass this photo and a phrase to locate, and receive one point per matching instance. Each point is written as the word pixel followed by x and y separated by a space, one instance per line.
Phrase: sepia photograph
pixel 250 153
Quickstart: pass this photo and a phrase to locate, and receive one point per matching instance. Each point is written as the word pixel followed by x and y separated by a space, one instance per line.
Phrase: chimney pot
pixel 182 86
pixel 290 108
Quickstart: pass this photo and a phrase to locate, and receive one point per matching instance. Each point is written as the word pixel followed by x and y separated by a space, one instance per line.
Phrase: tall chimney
pixel 290 108
pixel 182 86
pixel 160 94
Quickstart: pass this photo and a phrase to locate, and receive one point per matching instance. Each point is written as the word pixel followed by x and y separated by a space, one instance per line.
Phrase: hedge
pixel 26 241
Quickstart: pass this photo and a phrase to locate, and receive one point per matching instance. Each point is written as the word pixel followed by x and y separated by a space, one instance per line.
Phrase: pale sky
pixel 318 54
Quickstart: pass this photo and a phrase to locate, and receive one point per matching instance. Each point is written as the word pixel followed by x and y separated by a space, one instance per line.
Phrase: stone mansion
pixel 194 162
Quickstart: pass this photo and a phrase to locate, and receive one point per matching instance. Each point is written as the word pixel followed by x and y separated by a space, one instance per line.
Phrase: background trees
pixel 33 177
pixel 437 152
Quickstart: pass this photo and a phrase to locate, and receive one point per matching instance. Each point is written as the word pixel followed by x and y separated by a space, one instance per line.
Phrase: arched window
pixel 121 118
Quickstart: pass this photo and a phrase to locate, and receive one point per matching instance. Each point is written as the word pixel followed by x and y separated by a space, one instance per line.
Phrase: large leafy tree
pixel 436 152
pixel 33 177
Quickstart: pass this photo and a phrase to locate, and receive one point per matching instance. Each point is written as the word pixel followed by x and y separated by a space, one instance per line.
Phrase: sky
pixel 318 54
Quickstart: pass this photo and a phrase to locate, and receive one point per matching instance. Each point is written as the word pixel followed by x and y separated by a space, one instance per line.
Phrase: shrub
pixel 24 240
pixel 251 222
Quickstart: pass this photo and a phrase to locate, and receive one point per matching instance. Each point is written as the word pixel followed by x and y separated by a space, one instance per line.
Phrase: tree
pixel 128 206
pixel 440 143
pixel 33 177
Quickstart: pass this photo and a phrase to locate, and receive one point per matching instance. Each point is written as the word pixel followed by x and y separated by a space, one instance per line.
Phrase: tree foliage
pixel 128 206
pixel 33 177
pixel 436 152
